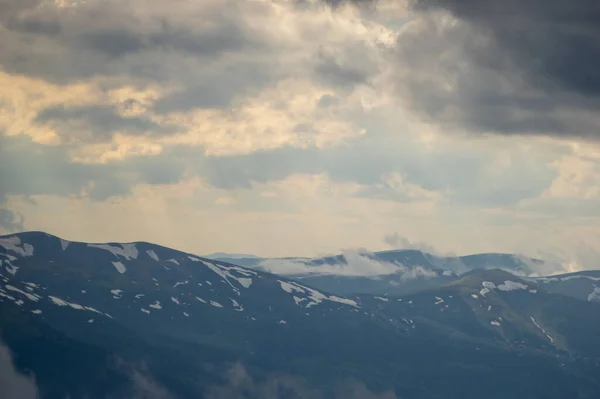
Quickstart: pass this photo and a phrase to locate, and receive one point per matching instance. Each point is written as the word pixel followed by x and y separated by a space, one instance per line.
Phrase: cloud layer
pixel 285 127
pixel 15 385
pixel 357 263
pixel 279 386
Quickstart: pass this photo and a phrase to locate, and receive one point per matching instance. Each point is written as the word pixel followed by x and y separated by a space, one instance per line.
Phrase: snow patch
pixel 5 295
pixel 119 266
pixel 127 251
pixel 173 261
pixel 474 296
pixel 32 285
pixel 381 298
pixel 180 283
pixel 495 323
pixel 156 305
pixel 61 302
pixel 175 300
pixel 31 297
pixel 145 310
pixel 13 244
pixel 116 293
pixel 216 304
pixel 488 286
pixel 245 282
pixel 185 314
pixel 438 300
pixel 447 273
pixel 544 331
pixel 594 295
pixel 313 297
pixel 201 300
pixel 298 300
pixel 152 254
pixel 290 288
pixel 511 286
pixel 344 301
pixel 11 269
pixel 225 272
pixel 37 311
pixel 281 322
pixel 237 307
pixel 64 244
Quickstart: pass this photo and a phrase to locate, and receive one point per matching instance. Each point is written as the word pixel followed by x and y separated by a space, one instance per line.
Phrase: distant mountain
pixel 417 270
pixel 224 255
pixel 583 285
pixel 89 319
pixel 396 284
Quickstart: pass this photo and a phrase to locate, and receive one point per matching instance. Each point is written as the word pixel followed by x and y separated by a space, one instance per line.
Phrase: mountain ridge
pixel 187 318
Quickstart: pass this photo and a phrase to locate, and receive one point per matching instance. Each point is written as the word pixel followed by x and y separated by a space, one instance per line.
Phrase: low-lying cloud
pixel 240 385
pixel 14 384
pixel 357 263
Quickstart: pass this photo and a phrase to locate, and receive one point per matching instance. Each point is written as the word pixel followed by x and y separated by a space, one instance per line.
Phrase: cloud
pixel 396 241
pixel 389 107
pixel 10 222
pixel 15 385
pixel 102 122
pixel 145 387
pixel 356 263
pixel 241 385
pixel 505 67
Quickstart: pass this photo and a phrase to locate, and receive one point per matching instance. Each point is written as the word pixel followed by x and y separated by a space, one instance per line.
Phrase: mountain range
pixel 396 272
pixel 129 320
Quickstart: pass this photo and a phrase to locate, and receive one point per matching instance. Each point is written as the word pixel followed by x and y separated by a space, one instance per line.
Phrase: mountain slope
pixel 187 318
pixel 581 285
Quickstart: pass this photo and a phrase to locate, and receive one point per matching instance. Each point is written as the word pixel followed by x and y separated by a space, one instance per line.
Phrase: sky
pixel 304 127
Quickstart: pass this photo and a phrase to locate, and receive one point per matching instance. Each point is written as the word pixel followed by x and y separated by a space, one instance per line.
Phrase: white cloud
pixel 225 201
pixel 328 128
pixel 357 263
pixel 15 385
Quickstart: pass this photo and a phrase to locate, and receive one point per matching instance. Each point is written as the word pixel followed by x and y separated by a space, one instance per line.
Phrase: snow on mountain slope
pixel 141 284
pixel 166 304
pixel 396 272
pixel 42 274
pixel 583 285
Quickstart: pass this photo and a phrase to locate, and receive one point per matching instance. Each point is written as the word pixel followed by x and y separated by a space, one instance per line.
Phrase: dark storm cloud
pixel 218 88
pixel 330 71
pixel 557 42
pixel 510 67
pixel 110 38
pixel 102 121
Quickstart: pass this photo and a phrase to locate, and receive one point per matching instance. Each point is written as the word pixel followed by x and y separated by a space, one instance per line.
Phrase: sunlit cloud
pixel 299 128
